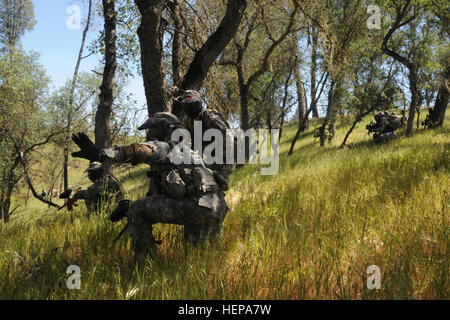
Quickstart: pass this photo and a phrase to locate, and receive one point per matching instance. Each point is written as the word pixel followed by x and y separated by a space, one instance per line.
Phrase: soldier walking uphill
pixel 105 190
pixel 191 103
pixel 184 194
pixel 384 126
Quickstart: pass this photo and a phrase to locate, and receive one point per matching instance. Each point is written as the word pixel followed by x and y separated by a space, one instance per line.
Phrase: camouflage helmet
pixel 160 125
pixel 378 117
pixel 94 166
pixel 191 102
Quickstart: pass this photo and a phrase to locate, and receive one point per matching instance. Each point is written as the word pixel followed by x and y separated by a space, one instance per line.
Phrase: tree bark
pixel 329 115
pixel 208 53
pixel 177 41
pixel 11 181
pixel 244 86
pixel 301 96
pixel 103 115
pixel 441 103
pixel 243 94
pixel 72 91
pixel 412 77
pixel 215 44
pixel 440 106
pixel 150 32
pixel 315 112
pixel 358 118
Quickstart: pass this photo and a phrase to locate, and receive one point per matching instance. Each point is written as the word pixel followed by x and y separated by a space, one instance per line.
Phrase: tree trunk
pixel 329 115
pixel 269 119
pixel 215 44
pixel 301 128
pixel 283 115
pixel 415 100
pixel 72 91
pixel 150 32
pixel 103 115
pixel 6 204
pixel 11 181
pixel 177 41
pixel 208 53
pixel 348 133
pixel 315 112
pixel 332 129
pixel 441 103
pixel 301 96
pixel 243 93
pixel 440 106
pixel 402 12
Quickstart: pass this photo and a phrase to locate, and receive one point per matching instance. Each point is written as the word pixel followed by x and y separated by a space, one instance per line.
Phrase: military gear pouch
pixel 204 180
pixel 174 185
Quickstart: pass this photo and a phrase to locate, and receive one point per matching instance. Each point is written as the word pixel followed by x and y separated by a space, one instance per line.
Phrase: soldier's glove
pixel 66 194
pixel 88 150
pixel 121 211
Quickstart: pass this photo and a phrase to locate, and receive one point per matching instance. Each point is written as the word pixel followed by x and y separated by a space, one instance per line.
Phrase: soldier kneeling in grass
pixel 384 127
pixel 185 192
pixel 106 189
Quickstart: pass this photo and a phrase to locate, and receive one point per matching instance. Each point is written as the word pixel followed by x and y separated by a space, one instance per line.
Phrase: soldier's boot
pixel 143 246
pixel 223 176
pixel 214 232
pixel 121 211
pixel 202 236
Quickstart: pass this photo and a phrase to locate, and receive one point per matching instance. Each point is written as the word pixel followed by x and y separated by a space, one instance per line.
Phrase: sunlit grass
pixel 308 232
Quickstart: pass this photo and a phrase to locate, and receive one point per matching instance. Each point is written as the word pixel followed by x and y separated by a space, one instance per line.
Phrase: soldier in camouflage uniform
pixel 210 119
pixel 385 126
pixel 184 194
pixel 105 190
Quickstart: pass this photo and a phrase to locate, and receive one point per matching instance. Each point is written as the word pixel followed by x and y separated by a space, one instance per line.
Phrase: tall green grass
pixel 309 232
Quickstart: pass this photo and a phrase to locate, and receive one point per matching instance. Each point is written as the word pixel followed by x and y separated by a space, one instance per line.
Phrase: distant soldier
pixel 186 194
pixel 105 190
pixel 428 123
pixel 384 126
pixel 404 119
pixel 210 119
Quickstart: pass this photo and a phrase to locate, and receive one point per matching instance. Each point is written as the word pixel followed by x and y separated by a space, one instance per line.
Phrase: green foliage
pixel 23 87
pixel 127 42
pixel 309 232
pixel 16 17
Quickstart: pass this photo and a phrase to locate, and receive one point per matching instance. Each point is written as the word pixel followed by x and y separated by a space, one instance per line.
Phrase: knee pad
pixel 121 211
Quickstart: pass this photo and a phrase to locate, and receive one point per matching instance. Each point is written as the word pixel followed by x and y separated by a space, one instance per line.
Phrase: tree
pixel 338 24
pixel 404 13
pixel 249 71
pixel 16 17
pixel 24 127
pixel 72 110
pixel 437 115
pixel 150 34
pixel 106 97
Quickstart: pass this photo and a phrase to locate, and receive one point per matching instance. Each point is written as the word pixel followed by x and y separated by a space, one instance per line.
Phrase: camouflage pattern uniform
pixel 185 195
pixel 105 190
pixel 385 126
pixel 211 119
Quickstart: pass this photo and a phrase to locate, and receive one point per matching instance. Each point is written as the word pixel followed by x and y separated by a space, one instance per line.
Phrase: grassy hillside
pixel 308 232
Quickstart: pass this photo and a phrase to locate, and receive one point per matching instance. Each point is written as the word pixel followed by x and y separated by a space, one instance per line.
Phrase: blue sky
pixel 59 46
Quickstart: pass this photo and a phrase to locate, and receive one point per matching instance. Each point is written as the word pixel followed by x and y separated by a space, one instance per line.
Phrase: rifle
pixel 121 233
pixel 370 127
pixel 69 202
